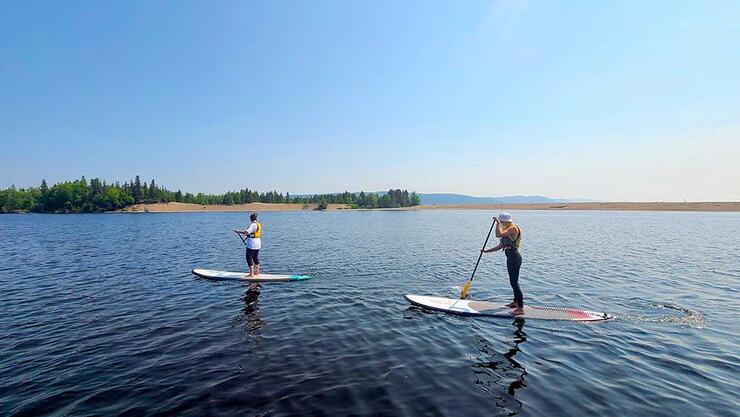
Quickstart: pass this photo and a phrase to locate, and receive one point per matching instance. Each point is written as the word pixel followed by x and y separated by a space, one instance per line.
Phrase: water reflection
pixel 249 318
pixel 499 374
pixel 251 296
pixel 251 324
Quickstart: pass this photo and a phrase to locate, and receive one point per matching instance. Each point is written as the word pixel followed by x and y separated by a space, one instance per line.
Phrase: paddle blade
pixel 464 290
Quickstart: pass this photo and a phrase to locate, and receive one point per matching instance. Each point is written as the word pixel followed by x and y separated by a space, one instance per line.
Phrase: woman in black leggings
pixel 511 236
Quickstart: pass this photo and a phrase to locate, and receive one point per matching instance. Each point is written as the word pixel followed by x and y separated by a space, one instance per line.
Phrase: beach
pixel 174 207
pixel 721 206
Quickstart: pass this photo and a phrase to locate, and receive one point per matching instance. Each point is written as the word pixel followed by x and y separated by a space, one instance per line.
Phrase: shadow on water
pixel 498 373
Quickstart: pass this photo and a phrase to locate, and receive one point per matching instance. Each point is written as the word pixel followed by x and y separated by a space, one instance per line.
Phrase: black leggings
pixel 513 264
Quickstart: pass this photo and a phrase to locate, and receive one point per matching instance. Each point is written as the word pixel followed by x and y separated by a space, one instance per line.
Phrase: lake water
pixel 101 316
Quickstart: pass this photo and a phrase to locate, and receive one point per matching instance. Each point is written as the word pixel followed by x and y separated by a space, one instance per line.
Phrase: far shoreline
pixel 708 206
pixel 174 207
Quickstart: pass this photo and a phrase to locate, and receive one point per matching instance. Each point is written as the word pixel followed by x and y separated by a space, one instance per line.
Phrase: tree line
pixel 390 199
pixel 83 196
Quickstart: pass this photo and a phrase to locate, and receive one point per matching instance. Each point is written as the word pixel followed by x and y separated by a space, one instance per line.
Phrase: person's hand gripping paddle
pixel 466 287
pixel 238 233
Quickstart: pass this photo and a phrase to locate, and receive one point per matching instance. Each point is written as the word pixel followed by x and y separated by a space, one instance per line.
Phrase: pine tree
pixel 153 192
pixel 322 203
pixel 136 189
pixel 415 199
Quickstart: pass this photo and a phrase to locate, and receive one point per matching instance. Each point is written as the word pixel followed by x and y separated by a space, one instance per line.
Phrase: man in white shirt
pixel 254 243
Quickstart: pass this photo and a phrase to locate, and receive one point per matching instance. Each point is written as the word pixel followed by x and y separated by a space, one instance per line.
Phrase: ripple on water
pixel 109 320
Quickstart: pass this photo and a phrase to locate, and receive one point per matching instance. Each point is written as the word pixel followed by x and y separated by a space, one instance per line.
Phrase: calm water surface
pixel 101 316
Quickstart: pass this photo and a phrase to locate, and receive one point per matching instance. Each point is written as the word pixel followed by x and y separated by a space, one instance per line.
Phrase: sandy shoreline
pixel 613 206
pixel 249 207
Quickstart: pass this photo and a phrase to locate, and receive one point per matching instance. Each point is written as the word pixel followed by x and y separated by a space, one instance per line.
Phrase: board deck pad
pixel 242 276
pixel 484 308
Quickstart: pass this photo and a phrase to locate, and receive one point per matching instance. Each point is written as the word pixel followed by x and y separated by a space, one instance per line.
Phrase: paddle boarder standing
pixel 510 235
pixel 254 244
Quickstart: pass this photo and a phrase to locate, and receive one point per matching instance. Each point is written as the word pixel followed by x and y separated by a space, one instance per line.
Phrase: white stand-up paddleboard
pixel 242 276
pixel 483 308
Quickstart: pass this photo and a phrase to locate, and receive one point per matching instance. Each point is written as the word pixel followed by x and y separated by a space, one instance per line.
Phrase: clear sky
pixel 620 100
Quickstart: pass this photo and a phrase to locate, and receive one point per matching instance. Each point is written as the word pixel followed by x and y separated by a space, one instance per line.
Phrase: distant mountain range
pixel 441 199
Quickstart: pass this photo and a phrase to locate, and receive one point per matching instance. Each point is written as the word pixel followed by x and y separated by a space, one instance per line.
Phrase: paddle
pixel 240 237
pixel 466 287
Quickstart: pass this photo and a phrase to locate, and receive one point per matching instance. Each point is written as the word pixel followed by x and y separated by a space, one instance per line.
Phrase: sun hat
pixel 505 217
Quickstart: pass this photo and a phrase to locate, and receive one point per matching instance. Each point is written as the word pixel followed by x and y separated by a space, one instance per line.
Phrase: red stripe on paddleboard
pixel 578 314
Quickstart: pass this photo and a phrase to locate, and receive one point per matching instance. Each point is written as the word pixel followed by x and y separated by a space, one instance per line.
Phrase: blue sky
pixel 606 100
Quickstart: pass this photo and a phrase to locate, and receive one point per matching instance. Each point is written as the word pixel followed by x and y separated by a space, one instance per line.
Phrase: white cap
pixel 505 217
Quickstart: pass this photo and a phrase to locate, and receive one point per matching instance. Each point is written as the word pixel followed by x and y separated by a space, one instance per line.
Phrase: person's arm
pixel 507 232
pixel 498 227
pixel 251 229
pixel 245 232
pixel 493 249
